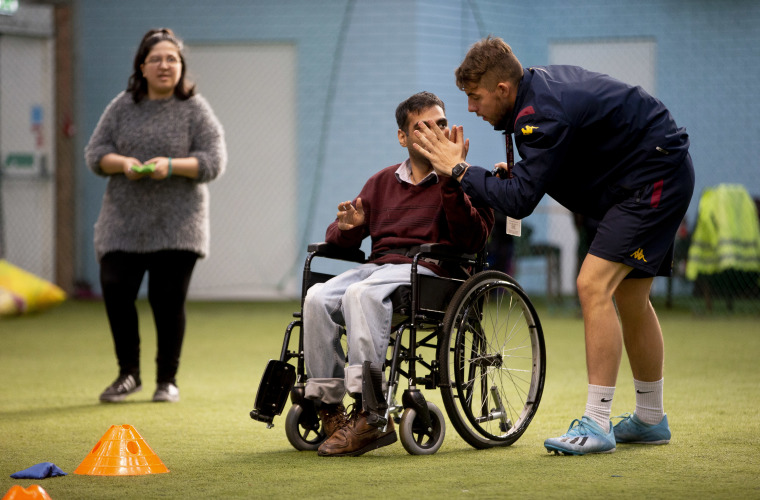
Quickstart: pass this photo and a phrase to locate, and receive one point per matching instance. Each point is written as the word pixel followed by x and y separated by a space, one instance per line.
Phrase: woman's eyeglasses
pixel 156 61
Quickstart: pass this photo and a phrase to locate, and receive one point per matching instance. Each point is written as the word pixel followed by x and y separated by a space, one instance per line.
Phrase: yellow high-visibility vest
pixel 727 234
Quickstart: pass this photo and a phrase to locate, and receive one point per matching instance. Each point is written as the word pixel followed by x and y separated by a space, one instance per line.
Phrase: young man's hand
pixel 443 150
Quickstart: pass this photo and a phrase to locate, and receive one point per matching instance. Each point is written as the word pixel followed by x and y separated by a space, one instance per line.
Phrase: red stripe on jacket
pixel 656 194
pixel 525 112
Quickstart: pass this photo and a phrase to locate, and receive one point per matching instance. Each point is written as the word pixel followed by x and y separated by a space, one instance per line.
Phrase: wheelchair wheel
pixel 300 430
pixel 492 358
pixel 416 439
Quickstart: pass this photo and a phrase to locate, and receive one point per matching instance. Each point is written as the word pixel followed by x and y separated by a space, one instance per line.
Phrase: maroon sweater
pixel 402 215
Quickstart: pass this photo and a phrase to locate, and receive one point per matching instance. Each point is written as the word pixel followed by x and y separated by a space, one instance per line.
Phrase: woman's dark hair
pixel 138 85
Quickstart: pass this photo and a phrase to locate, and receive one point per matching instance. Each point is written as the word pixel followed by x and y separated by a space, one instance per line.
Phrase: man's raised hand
pixel 349 216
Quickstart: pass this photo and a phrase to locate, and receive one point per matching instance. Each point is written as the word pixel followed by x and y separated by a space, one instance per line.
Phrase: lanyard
pixel 514 226
pixel 510 154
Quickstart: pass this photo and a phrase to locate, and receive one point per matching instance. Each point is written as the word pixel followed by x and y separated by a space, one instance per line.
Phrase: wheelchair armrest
pixel 445 252
pixel 324 249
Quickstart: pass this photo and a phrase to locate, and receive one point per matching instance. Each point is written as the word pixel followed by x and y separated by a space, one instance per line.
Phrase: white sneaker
pixel 166 392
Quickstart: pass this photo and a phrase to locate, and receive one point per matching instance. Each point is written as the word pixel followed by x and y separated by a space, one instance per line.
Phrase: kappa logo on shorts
pixel 639 255
pixel 528 129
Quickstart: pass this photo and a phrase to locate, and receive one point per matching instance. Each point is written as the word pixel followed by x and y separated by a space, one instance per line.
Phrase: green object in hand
pixel 144 169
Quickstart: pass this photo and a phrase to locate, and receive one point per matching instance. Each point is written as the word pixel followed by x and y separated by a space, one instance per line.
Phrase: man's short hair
pixel 487 63
pixel 416 104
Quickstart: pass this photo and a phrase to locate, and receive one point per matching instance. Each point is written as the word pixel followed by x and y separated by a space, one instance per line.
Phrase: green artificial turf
pixel 54 365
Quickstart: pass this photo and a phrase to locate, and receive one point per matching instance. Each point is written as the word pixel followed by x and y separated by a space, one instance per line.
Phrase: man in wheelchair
pixel 400 208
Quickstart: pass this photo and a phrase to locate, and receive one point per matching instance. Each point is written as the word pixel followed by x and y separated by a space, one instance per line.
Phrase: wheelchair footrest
pixel 373 400
pixel 276 383
pixel 267 419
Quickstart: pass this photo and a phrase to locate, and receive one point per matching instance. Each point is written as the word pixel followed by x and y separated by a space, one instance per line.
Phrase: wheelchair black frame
pixel 419 316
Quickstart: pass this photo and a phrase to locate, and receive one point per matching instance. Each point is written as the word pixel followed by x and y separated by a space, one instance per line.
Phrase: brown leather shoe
pixel 357 438
pixel 333 417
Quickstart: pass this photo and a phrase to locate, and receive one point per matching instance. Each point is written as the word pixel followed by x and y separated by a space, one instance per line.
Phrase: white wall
pixel 27 153
pixel 632 61
pixel 252 89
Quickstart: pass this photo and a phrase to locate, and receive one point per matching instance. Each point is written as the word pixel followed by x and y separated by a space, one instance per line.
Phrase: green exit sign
pixel 19 160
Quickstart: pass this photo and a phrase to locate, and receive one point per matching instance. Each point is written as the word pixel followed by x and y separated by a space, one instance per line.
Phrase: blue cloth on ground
pixel 39 471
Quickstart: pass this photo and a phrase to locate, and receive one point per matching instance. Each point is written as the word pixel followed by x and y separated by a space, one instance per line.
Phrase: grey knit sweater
pixel 149 215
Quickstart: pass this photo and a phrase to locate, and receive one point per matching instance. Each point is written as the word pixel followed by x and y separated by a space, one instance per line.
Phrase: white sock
pixel 599 405
pixel 649 407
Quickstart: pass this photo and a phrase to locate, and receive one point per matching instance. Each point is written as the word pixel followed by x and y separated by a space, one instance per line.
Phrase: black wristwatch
pixel 458 169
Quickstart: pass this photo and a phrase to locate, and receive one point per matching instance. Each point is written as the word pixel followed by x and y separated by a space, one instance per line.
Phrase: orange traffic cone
pixel 33 492
pixel 121 452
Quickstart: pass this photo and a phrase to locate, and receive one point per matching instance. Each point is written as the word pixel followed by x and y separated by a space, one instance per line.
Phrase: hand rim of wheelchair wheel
pixel 298 434
pixel 470 427
pixel 510 432
pixel 419 441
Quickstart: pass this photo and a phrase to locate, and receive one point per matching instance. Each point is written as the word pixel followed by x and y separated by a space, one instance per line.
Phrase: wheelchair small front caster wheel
pixel 418 440
pixel 303 432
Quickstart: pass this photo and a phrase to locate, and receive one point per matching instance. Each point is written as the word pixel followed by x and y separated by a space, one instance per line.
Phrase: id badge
pixel 514 226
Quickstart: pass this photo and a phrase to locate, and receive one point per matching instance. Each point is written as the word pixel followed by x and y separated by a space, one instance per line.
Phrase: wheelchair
pixel 475 337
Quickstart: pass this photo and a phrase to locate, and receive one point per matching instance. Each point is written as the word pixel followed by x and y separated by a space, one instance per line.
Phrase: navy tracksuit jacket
pixel 585 139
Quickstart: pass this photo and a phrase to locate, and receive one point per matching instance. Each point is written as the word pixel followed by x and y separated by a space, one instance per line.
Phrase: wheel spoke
pixel 494 360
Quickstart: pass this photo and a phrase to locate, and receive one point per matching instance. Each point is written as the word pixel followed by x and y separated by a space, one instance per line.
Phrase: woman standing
pixel 158 143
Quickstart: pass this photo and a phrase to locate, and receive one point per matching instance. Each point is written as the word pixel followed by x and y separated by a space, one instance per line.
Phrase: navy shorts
pixel 640 231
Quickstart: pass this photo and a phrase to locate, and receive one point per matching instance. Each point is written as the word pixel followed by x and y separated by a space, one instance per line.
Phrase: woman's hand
pixel 162 168
pixel 127 164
